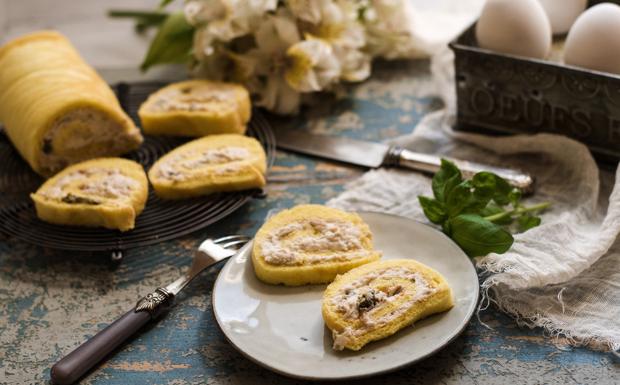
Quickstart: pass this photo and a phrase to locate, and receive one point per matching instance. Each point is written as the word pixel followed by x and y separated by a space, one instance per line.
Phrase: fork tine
pixel 230 244
pixel 228 238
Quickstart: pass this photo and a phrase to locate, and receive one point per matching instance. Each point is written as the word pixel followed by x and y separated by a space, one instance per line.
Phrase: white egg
pixel 517 27
pixel 594 40
pixel 563 13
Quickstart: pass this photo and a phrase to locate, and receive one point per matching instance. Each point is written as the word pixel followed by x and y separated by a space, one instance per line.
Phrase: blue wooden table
pixel 51 301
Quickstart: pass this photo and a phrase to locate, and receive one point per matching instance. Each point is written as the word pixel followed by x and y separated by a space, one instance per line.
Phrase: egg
pixel 517 27
pixel 563 13
pixel 594 40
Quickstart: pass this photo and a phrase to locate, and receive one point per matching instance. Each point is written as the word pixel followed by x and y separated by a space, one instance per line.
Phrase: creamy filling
pixel 358 301
pixel 193 99
pixel 179 167
pixel 81 134
pixel 321 240
pixel 80 186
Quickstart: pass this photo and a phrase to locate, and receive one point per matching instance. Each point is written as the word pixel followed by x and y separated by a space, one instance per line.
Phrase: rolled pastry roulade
pixel 55 108
pixel 311 244
pixel 376 300
pixel 215 163
pixel 104 192
pixel 196 108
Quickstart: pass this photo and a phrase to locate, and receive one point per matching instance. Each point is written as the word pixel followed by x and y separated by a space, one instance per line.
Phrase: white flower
pixel 273 38
pixel 279 97
pixel 389 29
pixel 348 41
pixel 259 43
pixel 225 65
pixel 224 20
pixel 199 12
pixel 355 64
pixel 336 22
pixel 312 65
pixel 213 66
pixel 314 11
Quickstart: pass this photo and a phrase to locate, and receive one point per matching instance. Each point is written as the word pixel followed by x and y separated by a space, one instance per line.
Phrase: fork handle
pixel 75 364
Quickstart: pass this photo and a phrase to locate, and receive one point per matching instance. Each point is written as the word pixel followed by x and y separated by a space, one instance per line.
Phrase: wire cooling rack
pixel 160 221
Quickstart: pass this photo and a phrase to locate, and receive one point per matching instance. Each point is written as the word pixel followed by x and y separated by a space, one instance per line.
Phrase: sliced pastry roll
pixel 211 164
pixel 104 192
pixel 56 110
pixel 376 300
pixel 196 108
pixel 311 244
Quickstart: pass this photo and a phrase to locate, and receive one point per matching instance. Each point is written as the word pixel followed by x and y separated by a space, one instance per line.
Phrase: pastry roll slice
pixel 215 163
pixel 196 108
pixel 311 244
pixel 376 300
pixel 55 109
pixel 105 192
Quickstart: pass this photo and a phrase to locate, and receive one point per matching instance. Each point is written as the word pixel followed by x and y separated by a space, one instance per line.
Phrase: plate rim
pixel 454 336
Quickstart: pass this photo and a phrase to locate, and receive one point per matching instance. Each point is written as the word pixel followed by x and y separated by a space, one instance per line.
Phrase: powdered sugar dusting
pixel 111 183
pixel 323 240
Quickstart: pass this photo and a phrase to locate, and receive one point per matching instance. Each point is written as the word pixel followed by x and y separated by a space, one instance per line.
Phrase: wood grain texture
pixel 51 301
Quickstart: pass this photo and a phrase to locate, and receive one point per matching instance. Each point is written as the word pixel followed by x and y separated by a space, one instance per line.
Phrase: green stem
pixel 137 14
pixel 518 211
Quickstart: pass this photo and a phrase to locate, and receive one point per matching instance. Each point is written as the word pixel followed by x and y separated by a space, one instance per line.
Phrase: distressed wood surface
pixel 52 301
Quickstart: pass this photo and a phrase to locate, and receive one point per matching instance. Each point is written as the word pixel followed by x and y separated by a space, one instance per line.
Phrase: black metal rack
pixel 160 221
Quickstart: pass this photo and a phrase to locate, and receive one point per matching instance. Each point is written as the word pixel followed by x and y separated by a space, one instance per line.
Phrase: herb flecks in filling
pixel 92 186
pixel 47 146
pixel 180 167
pixel 367 301
pixel 76 199
pixel 196 99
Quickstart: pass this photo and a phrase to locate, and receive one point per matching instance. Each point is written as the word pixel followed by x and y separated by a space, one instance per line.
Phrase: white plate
pixel 282 328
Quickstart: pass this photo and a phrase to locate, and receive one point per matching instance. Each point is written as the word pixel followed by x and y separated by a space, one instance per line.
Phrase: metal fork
pixel 73 366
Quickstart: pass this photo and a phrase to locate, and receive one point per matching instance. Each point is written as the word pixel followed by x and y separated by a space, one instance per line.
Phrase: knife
pixel 375 155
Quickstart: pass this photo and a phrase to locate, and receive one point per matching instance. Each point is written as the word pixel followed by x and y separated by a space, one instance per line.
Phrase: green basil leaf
pixel 526 222
pixel 445 180
pixel 497 187
pixel 514 196
pixel 433 210
pixel 484 180
pixel 502 191
pixel 446 228
pixel 485 183
pixel 459 198
pixel 493 208
pixel 465 199
pixel 479 237
pixel 164 3
pixel 172 44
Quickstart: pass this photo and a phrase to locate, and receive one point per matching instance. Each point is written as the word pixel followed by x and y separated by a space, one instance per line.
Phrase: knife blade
pixel 375 155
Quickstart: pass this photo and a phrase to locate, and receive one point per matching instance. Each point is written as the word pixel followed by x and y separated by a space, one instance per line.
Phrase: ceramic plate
pixel 282 328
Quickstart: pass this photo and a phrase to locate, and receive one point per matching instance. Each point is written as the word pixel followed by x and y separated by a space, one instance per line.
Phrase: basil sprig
pixel 478 213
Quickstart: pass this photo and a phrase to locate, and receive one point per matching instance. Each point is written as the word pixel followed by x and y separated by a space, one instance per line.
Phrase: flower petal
pixel 313 65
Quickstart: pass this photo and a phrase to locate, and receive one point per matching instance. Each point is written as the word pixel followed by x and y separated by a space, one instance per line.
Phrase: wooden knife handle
pixel 75 364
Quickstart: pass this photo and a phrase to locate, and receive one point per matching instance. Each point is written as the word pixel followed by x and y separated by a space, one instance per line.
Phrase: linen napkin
pixel 564 275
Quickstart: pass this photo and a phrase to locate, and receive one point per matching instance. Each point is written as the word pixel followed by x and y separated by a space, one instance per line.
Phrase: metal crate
pixel 506 94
